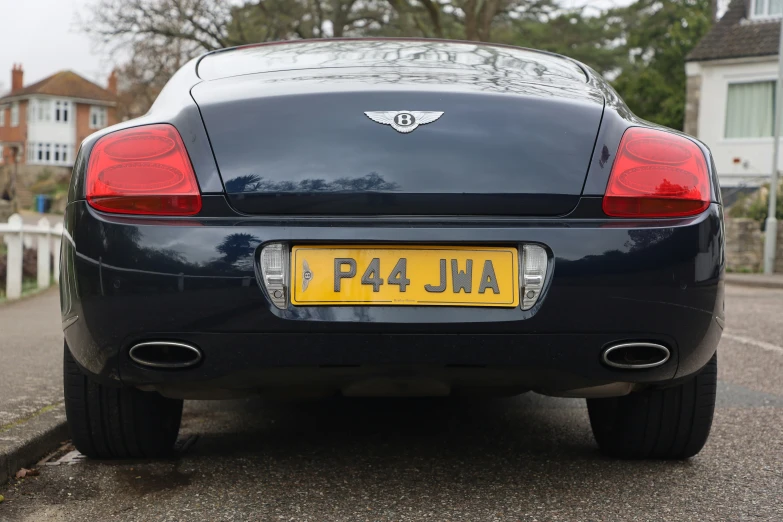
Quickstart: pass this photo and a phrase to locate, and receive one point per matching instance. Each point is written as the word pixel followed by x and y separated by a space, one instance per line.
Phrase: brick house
pixel 43 124
pixel 731 79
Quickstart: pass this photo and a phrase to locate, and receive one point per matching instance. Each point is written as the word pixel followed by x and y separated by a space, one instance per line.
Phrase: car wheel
pixel 669 423
pixel 114 422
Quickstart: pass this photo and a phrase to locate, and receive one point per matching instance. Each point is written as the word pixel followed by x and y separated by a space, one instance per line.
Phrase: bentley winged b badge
pixel 307 275
pixel 404 121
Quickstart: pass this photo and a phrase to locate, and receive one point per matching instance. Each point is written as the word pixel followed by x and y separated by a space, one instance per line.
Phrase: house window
pixel 98 118
pixel 57 153
pixel 44 110
pixel 48 152
pixel 2 116
pixel 749 110
pixel 65 153
pixel 15 114
pixel 767 8
pixel 40 151
pixel 61 110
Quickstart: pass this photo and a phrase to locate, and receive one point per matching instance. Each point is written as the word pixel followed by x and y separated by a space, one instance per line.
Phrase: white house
pixel 42 124
pixel 732 74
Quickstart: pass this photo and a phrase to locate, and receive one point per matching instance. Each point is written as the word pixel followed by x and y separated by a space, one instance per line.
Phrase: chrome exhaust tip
pixel 636 355
pixel 170 355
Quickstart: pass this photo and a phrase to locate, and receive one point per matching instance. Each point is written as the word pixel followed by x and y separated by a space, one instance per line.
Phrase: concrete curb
pixel 755 280
pixel 27 441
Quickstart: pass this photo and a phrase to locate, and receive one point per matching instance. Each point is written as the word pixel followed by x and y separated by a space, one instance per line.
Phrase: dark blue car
pixel 391 218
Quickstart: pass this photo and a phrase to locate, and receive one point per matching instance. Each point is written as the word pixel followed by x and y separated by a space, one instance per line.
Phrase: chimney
pixel 112 84
pixel 17 77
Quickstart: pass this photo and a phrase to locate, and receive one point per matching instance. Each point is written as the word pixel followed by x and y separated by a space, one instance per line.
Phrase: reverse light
pixel 534 264
pixel 657 174
pixel 274 272
pixel 143 170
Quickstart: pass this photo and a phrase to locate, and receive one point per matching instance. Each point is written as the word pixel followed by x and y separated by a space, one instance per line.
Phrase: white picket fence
pixel 44 237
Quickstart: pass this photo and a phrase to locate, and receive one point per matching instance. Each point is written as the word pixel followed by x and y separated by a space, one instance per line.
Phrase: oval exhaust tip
pixel 636 356
pixel 165 354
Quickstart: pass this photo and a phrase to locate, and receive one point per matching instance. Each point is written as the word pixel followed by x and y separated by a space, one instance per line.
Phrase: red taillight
pixel 143 170
pixel 657 174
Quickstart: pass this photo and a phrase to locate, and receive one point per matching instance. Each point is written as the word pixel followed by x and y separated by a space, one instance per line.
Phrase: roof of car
pixel 737 36
pixel 387 52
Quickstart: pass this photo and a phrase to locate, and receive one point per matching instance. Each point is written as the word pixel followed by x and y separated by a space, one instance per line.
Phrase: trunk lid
pixel 299 142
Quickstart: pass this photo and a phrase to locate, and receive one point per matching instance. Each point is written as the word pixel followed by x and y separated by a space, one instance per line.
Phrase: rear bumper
pixel 126 281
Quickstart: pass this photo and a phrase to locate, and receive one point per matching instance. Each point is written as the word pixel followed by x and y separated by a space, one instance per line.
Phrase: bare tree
pixel 141 78
pixel 202 23
pixel 155 37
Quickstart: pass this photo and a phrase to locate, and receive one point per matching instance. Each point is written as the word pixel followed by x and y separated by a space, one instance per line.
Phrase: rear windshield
pixel 388 53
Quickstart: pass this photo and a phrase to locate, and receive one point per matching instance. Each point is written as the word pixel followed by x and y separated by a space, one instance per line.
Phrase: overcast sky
pixel 45 37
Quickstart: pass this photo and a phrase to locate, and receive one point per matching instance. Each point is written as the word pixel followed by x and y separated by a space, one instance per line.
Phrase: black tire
pixel 114 423
pixel 669 423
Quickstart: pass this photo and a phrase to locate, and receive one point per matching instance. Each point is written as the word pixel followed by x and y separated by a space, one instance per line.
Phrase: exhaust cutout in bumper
pixel 635 355
pixel 170 355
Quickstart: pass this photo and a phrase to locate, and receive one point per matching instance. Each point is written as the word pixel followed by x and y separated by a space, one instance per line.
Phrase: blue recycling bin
pixel 41 203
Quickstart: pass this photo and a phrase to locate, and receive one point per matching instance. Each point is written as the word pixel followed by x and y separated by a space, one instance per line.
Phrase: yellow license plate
pixel 410 275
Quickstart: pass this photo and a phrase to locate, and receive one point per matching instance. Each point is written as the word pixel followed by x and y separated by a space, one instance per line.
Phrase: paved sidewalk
pixel 32 416
pixel 31 344
pixel 756 280
pixel 32 218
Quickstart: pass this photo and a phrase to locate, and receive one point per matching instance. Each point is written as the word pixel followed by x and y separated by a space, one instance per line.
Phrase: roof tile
pixel 734 36
pixel 67 84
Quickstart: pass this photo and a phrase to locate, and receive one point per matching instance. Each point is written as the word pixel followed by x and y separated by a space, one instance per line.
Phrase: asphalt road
pixel 528 458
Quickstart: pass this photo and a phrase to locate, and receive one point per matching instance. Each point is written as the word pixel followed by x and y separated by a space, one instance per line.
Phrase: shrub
pixel 29 265
pixel 44 186
pixel 50 183
pixel 755 206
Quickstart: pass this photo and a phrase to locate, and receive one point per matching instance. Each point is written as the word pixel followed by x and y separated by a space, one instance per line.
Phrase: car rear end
pixel 256 232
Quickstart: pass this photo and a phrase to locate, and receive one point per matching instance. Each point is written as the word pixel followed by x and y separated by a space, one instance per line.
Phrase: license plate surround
pixel 319 261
